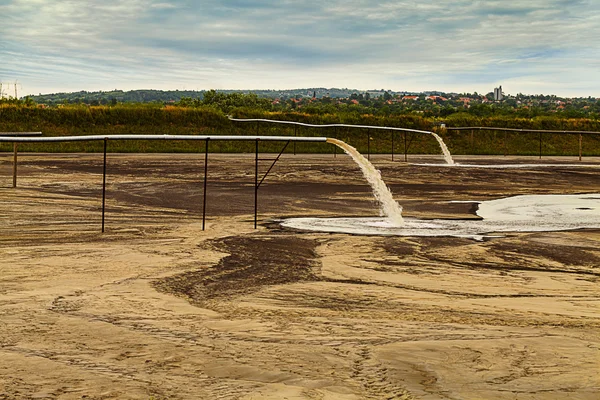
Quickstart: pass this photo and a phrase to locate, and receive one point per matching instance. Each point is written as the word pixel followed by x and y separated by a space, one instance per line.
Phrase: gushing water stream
pixel 445 150
pixel 389 207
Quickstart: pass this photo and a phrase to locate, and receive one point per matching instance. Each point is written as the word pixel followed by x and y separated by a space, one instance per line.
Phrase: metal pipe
pixel 392 146
pixel 472 144
pixel 335 136
pixel 15 145
pixel 272 165
pixel 205 178
pixel 517 130
pixel 385 128
pixel 408 146
pixel 256 183
pixel 368 145
pixel 104 184
pixel 21 134
pixel 90 138
pixel 295 135
pixel 580 140
pixel 405 149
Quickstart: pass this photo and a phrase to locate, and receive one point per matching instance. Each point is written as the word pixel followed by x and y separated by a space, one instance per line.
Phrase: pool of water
pixel 526 213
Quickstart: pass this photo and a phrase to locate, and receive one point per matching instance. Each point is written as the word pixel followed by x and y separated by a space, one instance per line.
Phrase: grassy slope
pixel 81 120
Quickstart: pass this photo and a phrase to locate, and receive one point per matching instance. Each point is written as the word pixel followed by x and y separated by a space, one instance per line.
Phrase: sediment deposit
pixel 158 308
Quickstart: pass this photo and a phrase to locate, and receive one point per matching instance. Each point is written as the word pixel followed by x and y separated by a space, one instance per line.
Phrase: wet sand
pixel 157 308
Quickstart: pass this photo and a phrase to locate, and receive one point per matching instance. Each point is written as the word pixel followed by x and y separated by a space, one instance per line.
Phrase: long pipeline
pixel 443 148
pixel 387 128
pixel 492 128
pixel 90 138
pixel 20 134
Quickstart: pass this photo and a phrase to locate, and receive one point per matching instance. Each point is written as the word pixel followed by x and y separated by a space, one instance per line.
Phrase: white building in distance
pixel 498 95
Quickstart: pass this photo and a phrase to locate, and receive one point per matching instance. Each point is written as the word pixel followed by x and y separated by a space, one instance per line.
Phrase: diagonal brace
pixel 272 165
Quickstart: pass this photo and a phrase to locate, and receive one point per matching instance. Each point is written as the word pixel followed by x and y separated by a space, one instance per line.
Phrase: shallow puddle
pixel 527 213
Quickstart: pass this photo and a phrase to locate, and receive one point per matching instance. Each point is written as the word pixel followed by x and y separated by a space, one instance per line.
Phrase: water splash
pixel 389 207
pixel 445 151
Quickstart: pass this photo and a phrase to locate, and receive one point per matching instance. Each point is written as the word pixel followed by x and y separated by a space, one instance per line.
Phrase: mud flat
pixel 158 308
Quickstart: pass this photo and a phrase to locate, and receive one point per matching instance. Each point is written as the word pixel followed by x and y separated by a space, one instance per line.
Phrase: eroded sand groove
pixel 265 314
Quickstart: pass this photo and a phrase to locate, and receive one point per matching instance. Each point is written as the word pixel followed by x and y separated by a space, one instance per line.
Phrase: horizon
pixel 358 91
pixel 460 46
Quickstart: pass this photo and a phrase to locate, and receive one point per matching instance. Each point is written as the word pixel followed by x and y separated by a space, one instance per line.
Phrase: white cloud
pixel 163 5
pixel 457 45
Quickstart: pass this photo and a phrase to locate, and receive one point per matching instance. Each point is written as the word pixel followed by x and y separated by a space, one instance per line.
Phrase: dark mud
pixel 253 262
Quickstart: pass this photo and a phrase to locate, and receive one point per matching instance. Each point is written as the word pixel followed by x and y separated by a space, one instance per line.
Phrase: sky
pixel 530 47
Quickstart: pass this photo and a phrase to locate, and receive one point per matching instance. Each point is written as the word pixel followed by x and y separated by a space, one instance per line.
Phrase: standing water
pixel 389 207
pixel 445 150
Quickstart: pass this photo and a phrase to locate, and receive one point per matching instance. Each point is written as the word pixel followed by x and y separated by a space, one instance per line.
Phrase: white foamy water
pixel 528 213
pixel 508 166
pixel 445 151
pixel 389 207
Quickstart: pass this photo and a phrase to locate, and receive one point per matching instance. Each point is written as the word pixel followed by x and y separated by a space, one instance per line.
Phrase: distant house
pixel 412 98
pixel 434 98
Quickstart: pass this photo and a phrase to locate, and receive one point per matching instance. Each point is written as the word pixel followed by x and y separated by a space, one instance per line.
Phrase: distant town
pixel 430 103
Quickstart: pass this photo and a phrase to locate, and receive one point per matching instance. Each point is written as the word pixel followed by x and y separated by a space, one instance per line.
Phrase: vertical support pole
pixel 580 140
pixel 334 146
pixel 405 149
pixel 15 146
pixel 256 183
pixel 256 177
pixel 368 145
pixel 505 144
pixel 472 145
pixel 392 145
pixel 540 135
pixel 104 184
pixel 295 134
pixel 205 178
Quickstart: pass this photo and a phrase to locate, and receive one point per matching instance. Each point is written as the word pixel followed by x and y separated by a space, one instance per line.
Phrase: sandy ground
pixel 156 308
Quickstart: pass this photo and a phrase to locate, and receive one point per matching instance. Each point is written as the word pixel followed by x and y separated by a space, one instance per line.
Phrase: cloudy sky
pixel 534 46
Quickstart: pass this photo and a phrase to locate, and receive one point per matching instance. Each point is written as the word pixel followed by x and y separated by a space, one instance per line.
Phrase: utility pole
pixel 7 86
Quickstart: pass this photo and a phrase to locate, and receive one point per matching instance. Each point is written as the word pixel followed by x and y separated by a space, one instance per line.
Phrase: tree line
pixel 209 115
